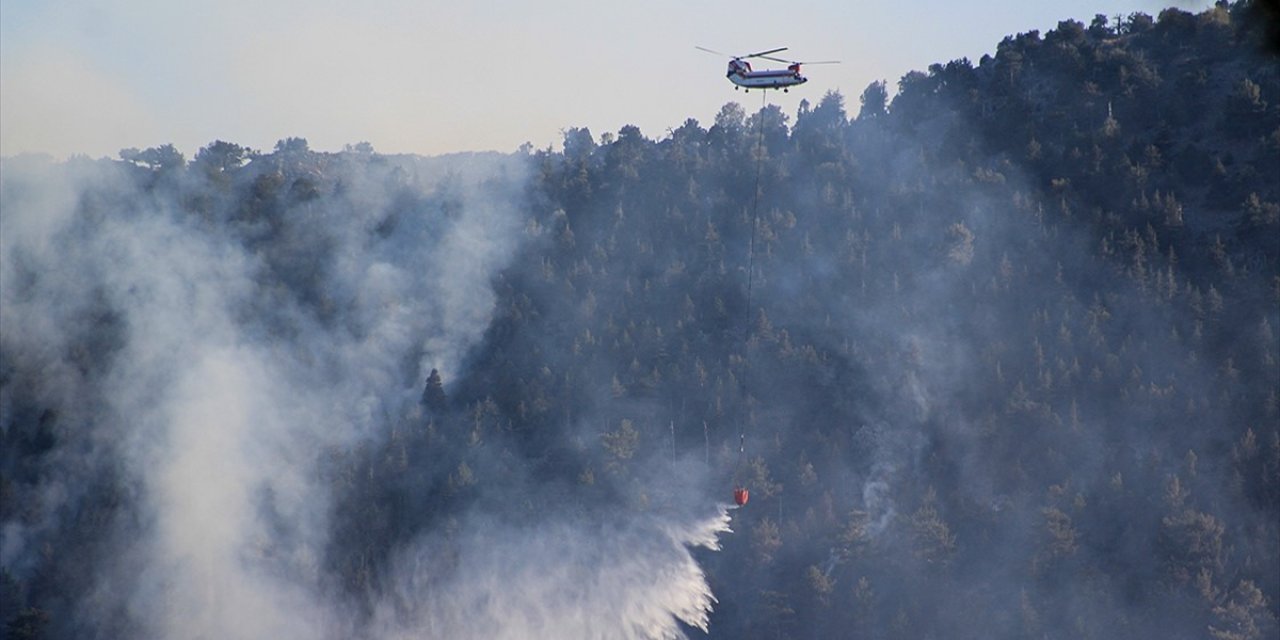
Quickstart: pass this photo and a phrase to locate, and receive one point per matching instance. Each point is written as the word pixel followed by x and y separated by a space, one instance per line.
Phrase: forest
pixel 994 351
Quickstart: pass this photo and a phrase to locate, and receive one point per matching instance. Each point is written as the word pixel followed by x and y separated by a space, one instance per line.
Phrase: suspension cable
pixel 751 270
pixel 755 217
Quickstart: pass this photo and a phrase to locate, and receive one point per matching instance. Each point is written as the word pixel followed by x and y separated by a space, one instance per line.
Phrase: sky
pixel 93 77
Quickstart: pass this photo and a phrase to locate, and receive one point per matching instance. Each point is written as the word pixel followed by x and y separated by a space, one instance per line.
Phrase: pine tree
pixel 433 396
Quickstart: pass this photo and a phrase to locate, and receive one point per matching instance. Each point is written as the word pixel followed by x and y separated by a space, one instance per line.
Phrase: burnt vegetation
pixel 1005 360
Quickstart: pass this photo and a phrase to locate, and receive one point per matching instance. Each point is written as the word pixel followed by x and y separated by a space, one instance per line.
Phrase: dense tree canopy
pixel 1002 348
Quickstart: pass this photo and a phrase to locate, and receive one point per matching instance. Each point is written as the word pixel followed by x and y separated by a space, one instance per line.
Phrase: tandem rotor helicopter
pixel 741 74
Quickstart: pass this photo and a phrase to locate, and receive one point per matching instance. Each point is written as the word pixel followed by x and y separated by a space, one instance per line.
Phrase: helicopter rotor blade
pixel 710 51
pixel 798 61
pixel 762 54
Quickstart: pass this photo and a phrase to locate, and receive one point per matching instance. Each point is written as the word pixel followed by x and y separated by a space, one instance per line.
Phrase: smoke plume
pixel 204 360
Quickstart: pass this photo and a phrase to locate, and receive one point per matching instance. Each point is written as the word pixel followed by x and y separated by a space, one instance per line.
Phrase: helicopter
pixel 742 75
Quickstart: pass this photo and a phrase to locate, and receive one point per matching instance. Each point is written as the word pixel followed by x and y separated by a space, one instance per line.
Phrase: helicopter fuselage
pixel 740 73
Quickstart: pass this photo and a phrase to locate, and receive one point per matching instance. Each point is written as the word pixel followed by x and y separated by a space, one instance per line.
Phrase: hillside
pixel 996 356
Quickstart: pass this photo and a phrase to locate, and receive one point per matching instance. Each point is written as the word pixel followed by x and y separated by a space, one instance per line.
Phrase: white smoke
pixel 878 501
pixel 224 391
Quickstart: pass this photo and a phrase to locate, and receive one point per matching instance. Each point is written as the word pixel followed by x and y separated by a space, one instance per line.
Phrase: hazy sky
pixel 96 76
